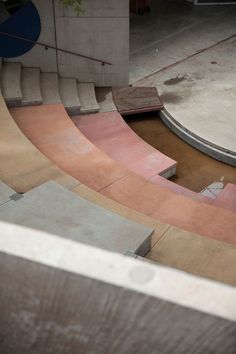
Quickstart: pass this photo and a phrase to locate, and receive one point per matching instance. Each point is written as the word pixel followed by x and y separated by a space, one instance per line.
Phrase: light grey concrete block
pixel 10 83
pixel 69 95
pixel 53 209
pixel 5 193
pixel 49 85
pixel 87 97
pixel 30 86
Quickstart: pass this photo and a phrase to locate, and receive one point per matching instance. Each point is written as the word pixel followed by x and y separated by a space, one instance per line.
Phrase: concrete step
pixel 49 85
pixel 53 209
pixel 5 193
pixel 30 86
pixel 227 198
pixel 69 95
pixel 11 83
pixel 87 97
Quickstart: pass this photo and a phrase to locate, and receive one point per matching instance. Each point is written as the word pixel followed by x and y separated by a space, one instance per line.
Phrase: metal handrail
pixel 103 62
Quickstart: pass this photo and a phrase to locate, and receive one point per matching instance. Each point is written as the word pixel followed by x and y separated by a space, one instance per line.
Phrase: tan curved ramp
pixel 22 165
pixel 175 247
pixel 52 131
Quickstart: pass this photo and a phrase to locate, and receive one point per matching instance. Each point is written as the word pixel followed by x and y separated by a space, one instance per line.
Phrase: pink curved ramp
pixel 110 133
pixel 52 131
pixel 177 210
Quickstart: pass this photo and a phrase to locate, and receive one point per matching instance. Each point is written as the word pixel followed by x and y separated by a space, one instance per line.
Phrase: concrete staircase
pixel 52 208
pixel 28 86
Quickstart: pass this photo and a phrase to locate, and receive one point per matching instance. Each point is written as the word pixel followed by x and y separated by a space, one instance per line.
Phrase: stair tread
pixel 87 97
pixel 69 95
pixel 30 86
pixel 43 208
pixel 10 83
pixel 49 85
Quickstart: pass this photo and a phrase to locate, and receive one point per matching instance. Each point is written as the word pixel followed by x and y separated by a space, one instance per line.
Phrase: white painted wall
pixel 101 31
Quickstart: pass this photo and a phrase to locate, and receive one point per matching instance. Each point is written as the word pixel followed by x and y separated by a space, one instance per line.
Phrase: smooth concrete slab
pixel 84 297
pixel 49 86
pixel 87 97
pixel 105 99
pixel 177 210
pixel 11 83
pixel 199 95
pixel 110 133
pixel 173 31
pixel 5 193
pixel 30 87
pixel 159 227
pixel 53 133
pixel 22 165
pixel 195 254
pixel 69 95
pixel 53 209
pixel 227 198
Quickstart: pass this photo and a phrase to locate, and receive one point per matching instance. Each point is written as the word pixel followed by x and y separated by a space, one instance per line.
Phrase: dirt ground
pixel 195 170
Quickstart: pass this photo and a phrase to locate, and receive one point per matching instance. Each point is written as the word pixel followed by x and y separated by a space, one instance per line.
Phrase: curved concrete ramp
pixel 52 131
pixel 175 247
pixel 174 209
pixel 53 209
pixel 109 132
pixel 22 166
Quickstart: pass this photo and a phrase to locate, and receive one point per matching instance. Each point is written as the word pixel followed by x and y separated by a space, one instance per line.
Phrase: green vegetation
pixel 76 4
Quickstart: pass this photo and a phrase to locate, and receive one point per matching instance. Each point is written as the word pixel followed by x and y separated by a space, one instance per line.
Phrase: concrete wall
pixel 39 56
pixel 101 31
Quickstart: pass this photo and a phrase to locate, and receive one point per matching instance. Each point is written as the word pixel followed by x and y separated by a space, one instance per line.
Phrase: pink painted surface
pixel 110 133
pixel 227 198
pixel 174 209
pixel 52 131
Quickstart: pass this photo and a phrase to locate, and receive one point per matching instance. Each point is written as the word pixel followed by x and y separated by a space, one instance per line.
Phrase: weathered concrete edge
pixel 218 153
pixel 152 280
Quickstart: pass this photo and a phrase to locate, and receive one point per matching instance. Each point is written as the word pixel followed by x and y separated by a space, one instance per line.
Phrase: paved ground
pixel 194 170
pixel 198 89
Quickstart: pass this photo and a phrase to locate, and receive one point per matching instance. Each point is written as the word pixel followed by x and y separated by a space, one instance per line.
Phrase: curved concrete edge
pixel 118 270
pixel 218 153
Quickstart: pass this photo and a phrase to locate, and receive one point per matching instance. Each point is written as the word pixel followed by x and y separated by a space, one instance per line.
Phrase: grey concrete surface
pixel 10 83
pixel 87 97
pixel 174 30
pixel 49 86
pixel 69 95
pixel 30 87
pixel 53 209
pixel 5 193
pixel 105 99
pixel 200 94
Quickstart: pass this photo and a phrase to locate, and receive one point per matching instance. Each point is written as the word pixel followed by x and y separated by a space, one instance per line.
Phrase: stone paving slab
pixel 53 209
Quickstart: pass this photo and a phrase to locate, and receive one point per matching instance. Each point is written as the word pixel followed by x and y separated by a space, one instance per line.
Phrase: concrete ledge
pixel 204 146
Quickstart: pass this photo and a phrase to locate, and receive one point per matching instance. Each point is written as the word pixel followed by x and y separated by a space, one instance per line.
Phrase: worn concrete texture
pixel 53 209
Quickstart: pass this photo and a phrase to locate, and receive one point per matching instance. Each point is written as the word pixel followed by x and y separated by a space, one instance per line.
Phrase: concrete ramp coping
pixel 125 294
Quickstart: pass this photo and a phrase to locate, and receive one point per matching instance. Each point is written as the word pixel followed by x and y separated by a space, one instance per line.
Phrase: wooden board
pixel 133 100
